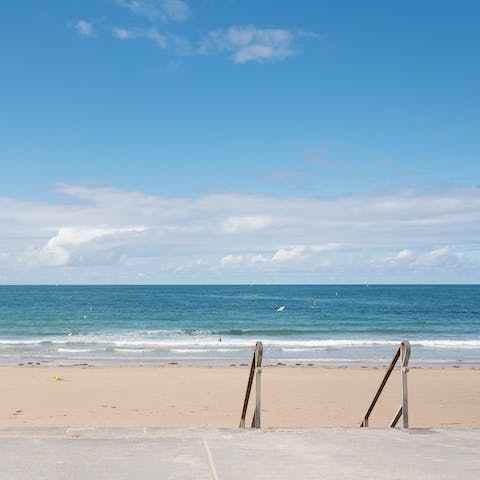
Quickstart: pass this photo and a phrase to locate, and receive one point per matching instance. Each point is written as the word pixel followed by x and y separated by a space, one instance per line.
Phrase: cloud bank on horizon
pixel 106 235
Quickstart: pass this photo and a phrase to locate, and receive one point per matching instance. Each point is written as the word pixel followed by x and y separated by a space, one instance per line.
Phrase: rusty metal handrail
pixel 255 370
pixel 403 352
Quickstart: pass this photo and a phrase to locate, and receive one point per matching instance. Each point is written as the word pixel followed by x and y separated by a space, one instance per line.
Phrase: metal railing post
pixel 405 356
pixel 403 352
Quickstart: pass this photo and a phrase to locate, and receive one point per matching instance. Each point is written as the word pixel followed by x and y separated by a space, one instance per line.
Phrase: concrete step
pixel 227 454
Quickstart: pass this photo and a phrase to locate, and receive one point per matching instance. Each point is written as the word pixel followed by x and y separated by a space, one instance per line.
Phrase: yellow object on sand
pixel 56 377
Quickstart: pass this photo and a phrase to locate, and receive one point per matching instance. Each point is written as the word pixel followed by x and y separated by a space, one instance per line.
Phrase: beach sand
pixel 171 396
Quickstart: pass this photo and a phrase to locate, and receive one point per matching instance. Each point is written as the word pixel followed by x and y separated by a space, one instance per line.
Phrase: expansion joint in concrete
pixel 211 463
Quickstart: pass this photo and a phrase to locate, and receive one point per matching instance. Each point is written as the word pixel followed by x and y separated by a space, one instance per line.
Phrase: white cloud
pixel 146 8
pixel 404 254
pixel 232 260
pixel 302 251
pixel 69 244
pixel 324 248
pixel 248 223
pixel 84 28
pixel 293 253
pixel 245 43
pixel 238 260
pixel 249 43
pixel 233 263
pixel 443 256
pixel 123 34
pixel 165 41
pixel 176 10
pixel 240 237
pixel 167 10
pixel 158 38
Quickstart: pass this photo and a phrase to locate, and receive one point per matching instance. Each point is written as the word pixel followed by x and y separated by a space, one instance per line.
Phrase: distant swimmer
pixel 84 317
pixel 219 339
pixel 281 309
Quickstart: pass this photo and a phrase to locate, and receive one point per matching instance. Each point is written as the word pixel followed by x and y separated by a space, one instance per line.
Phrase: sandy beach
pixel 212 396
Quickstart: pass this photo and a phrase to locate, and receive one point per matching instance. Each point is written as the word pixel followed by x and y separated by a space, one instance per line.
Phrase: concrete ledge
pixel 208 453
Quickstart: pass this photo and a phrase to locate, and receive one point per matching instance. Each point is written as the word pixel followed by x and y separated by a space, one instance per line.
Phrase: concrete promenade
pixel 225 454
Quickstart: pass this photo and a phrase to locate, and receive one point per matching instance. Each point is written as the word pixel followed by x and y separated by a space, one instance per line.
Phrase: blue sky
pixel 221 141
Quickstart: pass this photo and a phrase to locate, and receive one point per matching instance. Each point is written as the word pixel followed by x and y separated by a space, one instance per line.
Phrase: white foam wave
pixel 318 349
pixel 447 343
pixel 197 350
pixel 246 343
pixel 77 350
pixel 177 343
pixel 21 342
pixel 134 350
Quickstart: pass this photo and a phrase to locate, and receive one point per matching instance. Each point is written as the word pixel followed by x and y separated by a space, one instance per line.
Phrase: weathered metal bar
pixel 256 421
pixel 255 368
pixel 247 393
pixel 396 418
pixel 380 389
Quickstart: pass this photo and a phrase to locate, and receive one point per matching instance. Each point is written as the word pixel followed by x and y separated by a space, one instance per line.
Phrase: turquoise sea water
pixel 329 325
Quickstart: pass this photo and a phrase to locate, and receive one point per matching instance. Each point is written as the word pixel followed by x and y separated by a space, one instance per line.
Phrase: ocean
pixel 219 325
